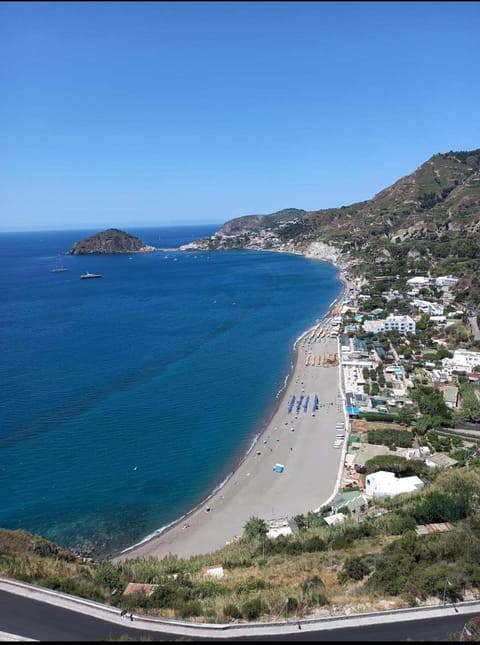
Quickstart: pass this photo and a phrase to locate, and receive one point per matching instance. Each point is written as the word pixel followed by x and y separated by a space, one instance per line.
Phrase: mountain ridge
pixel 427 221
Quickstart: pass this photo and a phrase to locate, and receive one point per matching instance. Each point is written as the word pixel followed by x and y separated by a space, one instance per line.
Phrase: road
pixel 43 621
pixel 474 327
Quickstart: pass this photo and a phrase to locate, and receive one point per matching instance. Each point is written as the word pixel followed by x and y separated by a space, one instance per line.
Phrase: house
pixel 354 500
pixel 440 460
pixel 463 360
pixel 373 326
pixel 386 484
pixel 336 518
pixel 439 376
pixel 414 454
pixel 139 587
pixel 450 396
pixel 432 308
pixel 439 527
pixel 215 571
pixel 281 526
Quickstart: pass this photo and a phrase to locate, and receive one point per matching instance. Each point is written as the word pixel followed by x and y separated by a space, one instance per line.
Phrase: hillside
pixel 111 241
pixel 379 562
pixel 428 221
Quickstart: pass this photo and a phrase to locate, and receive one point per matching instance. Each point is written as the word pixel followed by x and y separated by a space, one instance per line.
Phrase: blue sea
pixel 126 400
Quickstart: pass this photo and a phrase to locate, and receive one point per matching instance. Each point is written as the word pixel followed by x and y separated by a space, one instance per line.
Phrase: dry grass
pixel 361 427
pixel 282 574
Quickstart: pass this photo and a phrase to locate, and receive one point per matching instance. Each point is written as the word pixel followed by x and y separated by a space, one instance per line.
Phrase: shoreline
pixel 198 534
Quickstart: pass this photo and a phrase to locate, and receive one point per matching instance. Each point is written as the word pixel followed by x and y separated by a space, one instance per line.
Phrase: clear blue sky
pixel 159 113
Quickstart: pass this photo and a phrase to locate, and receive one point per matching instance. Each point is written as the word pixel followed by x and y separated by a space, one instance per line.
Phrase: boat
pixel 87 275
pixel 58 268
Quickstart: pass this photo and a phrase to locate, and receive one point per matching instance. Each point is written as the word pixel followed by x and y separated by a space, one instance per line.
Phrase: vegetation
pixel 470 410
pixel 320 566
pixel 392 438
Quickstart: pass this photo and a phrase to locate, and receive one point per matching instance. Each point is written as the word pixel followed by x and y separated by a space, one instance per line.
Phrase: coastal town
pixel 392 342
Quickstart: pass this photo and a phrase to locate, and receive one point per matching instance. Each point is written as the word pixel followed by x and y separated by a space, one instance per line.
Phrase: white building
pixel 446 281
pixel 373 325
pixel 439 320
pixel 463 360
pixel 385 484
pixel 440 376
pixel 337 518
pixel 216 571
pixel 419 281
pixel 428 307
pixel 278 527
pixel 404 324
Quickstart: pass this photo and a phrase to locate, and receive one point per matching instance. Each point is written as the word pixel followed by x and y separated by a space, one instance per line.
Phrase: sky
pixel 176 113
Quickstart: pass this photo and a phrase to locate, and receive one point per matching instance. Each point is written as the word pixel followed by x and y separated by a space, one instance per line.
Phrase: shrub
pixel 108 574
pixel 314 588
pixel 209 589
pixel 252 609
pixel 232 611
pixel 355 568
pixel 313 544
pixel 255 528
pixel 251 584
pixel 190 608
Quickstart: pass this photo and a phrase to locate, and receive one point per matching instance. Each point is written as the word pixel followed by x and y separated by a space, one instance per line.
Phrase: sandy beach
pixel 301 441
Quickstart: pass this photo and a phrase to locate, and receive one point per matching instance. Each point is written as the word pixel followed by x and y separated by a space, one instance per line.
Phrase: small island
pixel 111 241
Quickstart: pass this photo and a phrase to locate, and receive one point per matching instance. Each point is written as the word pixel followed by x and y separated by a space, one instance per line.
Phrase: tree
pixel 390 463
pixel 255 528
pixel 405 416
pixel 470 410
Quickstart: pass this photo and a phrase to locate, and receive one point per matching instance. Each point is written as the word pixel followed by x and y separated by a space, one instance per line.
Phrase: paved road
pixel 43 621
pixel 474 327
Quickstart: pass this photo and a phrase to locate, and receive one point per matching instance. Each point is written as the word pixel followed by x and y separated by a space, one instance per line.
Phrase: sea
pixel 125 401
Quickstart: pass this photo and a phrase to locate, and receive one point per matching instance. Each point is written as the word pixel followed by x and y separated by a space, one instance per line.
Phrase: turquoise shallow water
pixel 126 400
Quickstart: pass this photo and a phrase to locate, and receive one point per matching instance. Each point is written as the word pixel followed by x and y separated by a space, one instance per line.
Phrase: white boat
pixel 59 268
pixel 87 275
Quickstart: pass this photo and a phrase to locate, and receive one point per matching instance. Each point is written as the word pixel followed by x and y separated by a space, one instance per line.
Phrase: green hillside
pixel 426 222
